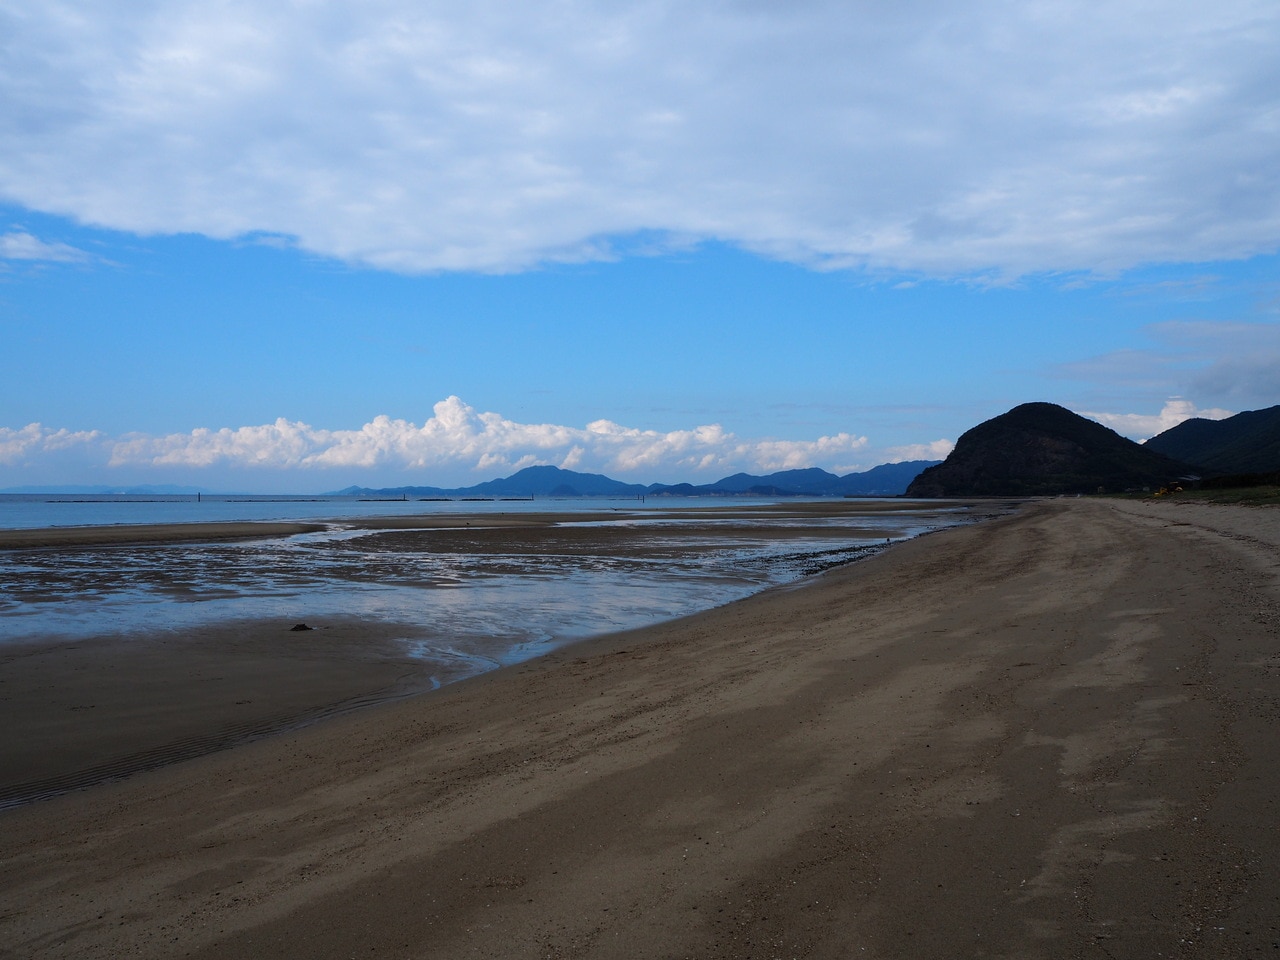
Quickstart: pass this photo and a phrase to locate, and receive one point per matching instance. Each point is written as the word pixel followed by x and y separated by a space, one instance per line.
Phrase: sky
pixel 288 247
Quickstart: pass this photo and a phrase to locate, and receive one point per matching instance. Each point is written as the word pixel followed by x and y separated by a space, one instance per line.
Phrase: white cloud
pixel 937 450
pixel 774 455
pixel 20 245
pixel 1140 426
pixel 459 437
pixel 984 136
pixel 19 444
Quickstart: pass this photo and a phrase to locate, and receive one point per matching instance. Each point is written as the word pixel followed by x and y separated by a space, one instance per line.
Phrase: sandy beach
pixel 1052 734
pixel 168 661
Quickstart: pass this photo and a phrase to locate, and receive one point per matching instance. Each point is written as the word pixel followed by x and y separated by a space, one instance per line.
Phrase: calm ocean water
pixel 459 609
pixel 34 511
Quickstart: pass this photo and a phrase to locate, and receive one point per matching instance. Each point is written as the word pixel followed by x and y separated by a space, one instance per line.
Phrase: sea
pixel 459 613
pixel 31 511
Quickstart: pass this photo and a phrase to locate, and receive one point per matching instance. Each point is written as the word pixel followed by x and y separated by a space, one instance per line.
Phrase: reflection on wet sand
pixel 539 576
pixel 179 647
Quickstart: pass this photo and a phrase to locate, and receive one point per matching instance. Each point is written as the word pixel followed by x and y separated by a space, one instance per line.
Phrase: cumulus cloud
pixel 946 139
pixel 937 450
pixel 1140 426
pixel 459 436
pixel 33 440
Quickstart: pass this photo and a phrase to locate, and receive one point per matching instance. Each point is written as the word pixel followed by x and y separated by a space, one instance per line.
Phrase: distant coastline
pixel 885 480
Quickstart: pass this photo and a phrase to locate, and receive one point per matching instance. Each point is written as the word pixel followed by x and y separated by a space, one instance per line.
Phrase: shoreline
pixel 84 710
pixel 1046 735
pixel 132 534
pixel 40 538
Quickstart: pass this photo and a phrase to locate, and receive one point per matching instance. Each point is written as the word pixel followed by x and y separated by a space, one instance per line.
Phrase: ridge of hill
pixel 886 480
pixel 1247 443
pixel 1039 449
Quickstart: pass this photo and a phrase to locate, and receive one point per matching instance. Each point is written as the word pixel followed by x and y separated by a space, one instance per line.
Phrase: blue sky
pixel 298 247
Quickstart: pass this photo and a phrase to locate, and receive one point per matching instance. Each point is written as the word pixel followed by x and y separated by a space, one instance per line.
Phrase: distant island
pixel 886 480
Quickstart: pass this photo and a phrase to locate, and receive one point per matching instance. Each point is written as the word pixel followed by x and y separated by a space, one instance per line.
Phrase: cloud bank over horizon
pixel 994 138
pixel 459 446
pixel 457 441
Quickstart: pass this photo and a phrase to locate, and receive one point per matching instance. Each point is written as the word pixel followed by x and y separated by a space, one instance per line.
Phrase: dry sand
pixel 1050 735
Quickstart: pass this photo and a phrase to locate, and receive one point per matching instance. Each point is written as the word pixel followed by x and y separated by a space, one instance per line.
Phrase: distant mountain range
pixel 886 480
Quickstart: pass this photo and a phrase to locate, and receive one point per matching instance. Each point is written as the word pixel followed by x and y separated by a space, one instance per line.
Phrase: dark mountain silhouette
pixel 1042 448
pixel 553 481
pixel 542 481
pixel 813 480
pixel 886 480
pixel 1247 443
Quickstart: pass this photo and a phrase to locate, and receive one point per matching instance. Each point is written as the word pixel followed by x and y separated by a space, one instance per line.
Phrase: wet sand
pixel 1050 735
pixel 147 533
pixel 78 713
pixel 104 705
pixel 126 534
